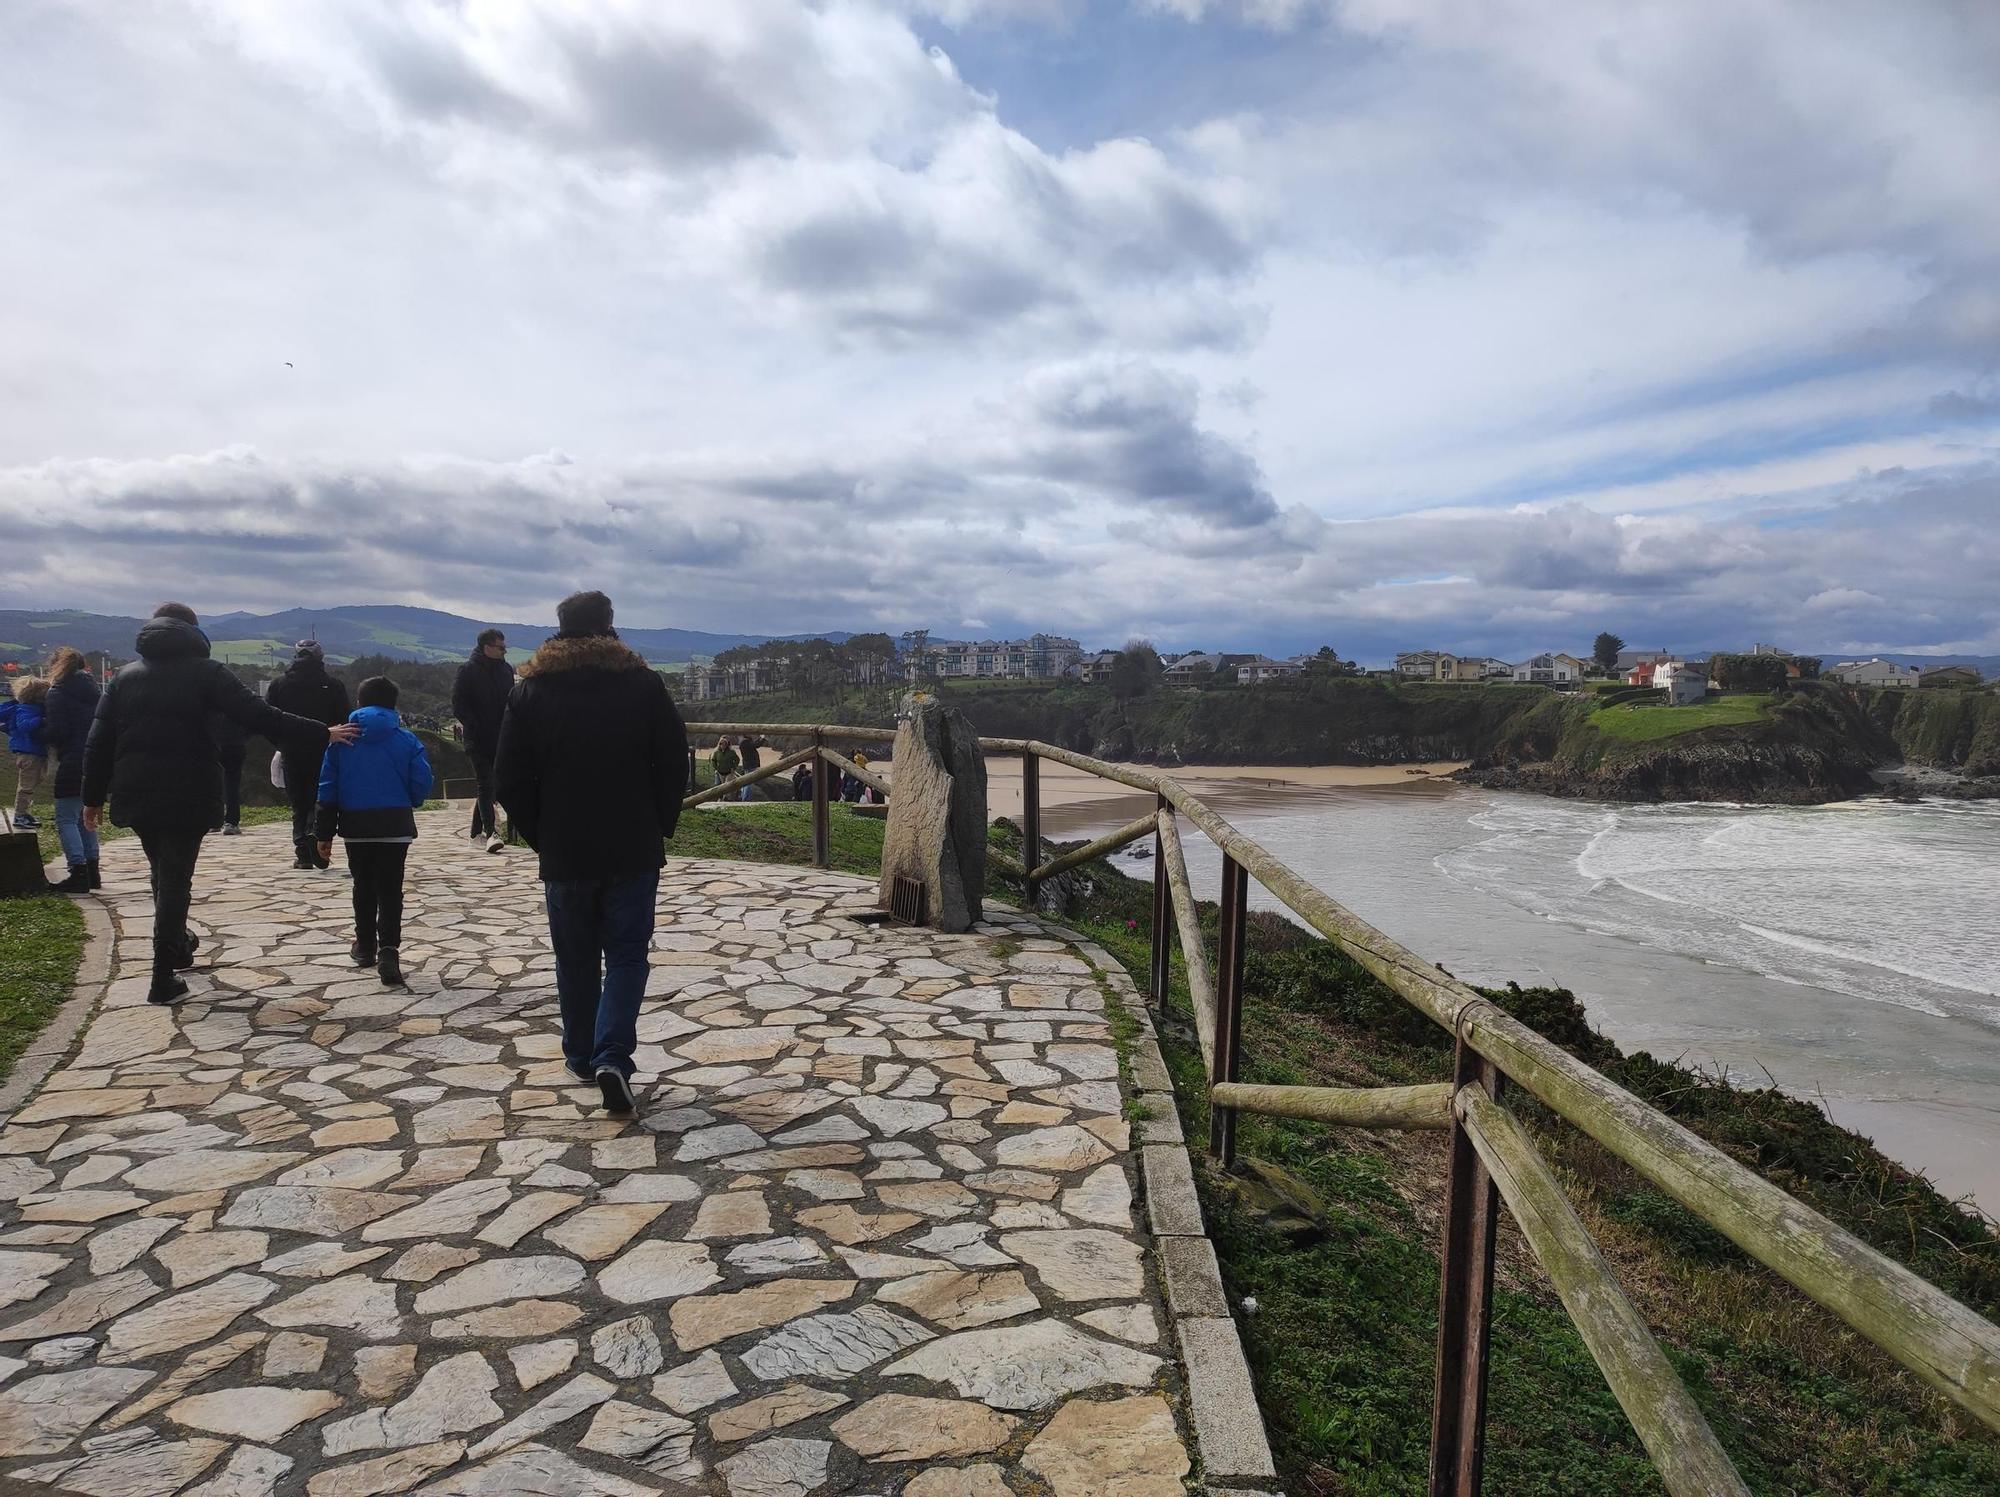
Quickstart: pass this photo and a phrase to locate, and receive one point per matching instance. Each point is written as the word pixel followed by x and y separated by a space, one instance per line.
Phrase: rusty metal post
pixel 1162 917
pixel 1031 819
pixel 1228 1005
pixel 1465 1302
pixel 822 826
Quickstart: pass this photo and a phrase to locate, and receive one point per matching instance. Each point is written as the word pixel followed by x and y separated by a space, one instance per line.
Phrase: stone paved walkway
pixel 873 1230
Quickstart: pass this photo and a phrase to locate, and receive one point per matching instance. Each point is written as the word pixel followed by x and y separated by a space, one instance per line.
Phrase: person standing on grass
pixel 28 737
pixel 478 700
pixel 723 761
pixel 306 689
pixel 368 795
pixel 71 704
pixel 749 760
pixel 592 751
pixel 152 754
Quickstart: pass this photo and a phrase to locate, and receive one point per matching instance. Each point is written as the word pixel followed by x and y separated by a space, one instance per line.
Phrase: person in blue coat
pixel 368 794
pixel 28 737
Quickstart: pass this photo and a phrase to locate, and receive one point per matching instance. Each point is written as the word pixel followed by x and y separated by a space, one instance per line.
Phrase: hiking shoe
pixel 360 955
pixel 187 960
pixel 617 1090
pixel 389 968
pixel 168 990
pixel 496 844
pixel 231 829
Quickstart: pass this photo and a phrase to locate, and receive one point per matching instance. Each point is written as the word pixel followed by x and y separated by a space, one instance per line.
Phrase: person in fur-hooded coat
pixel 591 769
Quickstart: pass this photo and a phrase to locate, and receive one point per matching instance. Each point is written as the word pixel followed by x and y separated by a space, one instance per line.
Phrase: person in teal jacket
pixel 368 794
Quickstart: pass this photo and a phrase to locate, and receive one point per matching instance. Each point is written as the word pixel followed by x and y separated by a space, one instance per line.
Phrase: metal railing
pixel 1493 1158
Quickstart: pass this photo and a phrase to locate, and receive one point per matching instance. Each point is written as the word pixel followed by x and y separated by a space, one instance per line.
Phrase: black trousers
pixel 302 789
pixel 484 822
pixel 232 786
pixel 170 858
pixel 378 892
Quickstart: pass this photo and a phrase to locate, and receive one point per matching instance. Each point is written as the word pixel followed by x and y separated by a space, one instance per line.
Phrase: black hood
pixel 171 639
pixel 312 667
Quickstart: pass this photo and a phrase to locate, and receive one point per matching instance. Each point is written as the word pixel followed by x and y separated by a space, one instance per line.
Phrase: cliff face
pixel 1954 730
pixel 1816 743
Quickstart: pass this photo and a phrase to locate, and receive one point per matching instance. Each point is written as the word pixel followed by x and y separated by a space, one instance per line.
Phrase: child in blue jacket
pixel 368 792
pixel 28 737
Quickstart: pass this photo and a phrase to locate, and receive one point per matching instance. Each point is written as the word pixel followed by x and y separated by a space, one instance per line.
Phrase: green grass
pixel 1649 724
pixel 777 832
pixel 42 939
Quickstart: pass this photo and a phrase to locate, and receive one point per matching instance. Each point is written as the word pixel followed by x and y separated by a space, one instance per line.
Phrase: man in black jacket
pixel 592 758
pixel 306 689
pixel 152 751
pixel 478 701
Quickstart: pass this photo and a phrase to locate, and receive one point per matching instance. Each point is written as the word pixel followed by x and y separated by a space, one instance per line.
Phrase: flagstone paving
pixel 871 1231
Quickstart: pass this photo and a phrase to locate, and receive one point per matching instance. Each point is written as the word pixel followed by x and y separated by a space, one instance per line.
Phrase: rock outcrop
pixel 937 816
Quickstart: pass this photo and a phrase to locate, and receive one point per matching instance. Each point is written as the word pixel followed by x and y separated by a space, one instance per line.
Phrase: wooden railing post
pixel 1162 915
pixel 822 825
pixel 1228 1006
pixel 1031 817
pixel 1465 1301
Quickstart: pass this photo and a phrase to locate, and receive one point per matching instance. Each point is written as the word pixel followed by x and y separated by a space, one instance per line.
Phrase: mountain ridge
pixel 399 631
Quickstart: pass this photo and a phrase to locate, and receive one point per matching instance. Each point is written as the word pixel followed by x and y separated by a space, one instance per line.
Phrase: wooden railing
pixel 1493 1159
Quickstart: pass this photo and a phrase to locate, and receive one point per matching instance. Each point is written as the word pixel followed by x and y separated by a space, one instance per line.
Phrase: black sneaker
pixel 617 1090
pixel 168 990
pixel 187 959
pixel 360 955
pixel 581 1073
pixel 302 861
pixel 389 968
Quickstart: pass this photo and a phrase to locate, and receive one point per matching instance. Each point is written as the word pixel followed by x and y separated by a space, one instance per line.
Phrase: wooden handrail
pixel 1426 1106
pixel 1690 1460
pixel 1194 956
pixel 1109 842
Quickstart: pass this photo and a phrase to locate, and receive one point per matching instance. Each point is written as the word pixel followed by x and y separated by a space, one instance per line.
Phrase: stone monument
pixel 937 813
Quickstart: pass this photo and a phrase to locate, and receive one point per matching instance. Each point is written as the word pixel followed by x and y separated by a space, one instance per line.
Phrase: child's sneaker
pixel 389 968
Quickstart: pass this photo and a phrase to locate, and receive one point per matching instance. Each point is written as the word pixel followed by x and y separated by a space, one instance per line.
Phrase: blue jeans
pixel 602 930
pixel 79 846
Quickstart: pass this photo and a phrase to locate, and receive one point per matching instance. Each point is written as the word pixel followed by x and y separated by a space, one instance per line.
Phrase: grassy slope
pixel 1654 723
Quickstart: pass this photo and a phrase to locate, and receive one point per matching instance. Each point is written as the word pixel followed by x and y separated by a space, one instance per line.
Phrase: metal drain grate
pixel 909 904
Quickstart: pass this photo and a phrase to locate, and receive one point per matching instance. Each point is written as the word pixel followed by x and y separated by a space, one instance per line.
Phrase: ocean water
pixel 1850 953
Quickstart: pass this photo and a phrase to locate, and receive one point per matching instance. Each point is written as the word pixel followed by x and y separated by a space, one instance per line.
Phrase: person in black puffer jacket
pixel 306 690
pixel 72 702
pixel 592 760
pixel 479 701
pixel 150 752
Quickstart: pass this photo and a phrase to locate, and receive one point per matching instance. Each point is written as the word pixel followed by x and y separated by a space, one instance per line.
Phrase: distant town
pixel 916 657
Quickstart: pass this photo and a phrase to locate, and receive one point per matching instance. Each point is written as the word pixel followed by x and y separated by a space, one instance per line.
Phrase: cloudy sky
pixel 1239 323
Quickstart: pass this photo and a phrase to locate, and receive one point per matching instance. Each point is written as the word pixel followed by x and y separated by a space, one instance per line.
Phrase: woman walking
pixel 71 704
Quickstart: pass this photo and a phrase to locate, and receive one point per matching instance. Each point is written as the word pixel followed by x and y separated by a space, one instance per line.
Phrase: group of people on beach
pixel 585 751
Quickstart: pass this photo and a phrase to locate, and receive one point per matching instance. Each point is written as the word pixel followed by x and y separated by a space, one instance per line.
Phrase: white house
pixel 1683 683
pixel 1875 671
pixel 1263 668
pixel 1555 669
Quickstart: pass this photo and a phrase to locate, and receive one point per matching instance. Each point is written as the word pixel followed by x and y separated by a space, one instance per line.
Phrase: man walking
pixel 152 751
pixel 592 755
pixel 478 701
pixel 306 690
